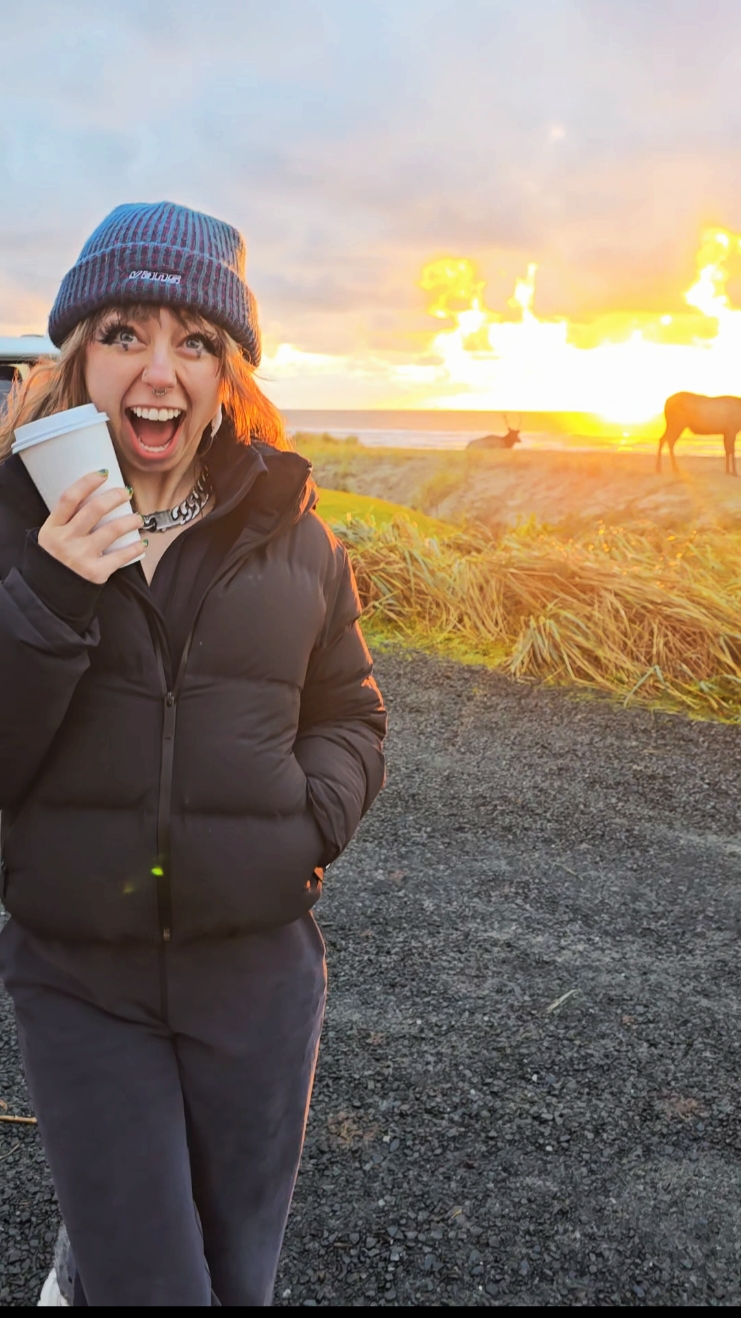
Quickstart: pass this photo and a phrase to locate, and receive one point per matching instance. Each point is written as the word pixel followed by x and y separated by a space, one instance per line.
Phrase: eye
pixel 123 335
pixel 200 343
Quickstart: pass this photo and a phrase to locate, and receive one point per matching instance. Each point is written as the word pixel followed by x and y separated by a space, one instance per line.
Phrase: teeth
pixel 157 413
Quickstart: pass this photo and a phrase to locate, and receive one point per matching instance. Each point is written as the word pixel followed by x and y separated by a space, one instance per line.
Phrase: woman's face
pixel 158 381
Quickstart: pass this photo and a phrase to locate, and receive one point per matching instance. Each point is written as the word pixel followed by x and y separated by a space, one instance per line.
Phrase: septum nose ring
pixel 159 393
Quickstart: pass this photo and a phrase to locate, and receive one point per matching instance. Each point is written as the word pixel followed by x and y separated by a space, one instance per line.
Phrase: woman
pixel 185 744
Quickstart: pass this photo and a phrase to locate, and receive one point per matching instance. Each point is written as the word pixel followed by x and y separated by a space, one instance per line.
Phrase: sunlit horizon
pixel 554 153
pixel 620 365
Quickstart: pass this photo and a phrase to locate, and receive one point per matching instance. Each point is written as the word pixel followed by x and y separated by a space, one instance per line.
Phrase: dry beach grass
pixel 585 568
pixel 640 612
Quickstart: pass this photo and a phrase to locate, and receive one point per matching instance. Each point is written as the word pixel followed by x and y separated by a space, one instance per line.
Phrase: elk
pixel 703 416
pixel 509 440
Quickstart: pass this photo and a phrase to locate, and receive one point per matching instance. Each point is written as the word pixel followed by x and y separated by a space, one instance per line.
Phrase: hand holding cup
pixel 61 453
pixel 73 533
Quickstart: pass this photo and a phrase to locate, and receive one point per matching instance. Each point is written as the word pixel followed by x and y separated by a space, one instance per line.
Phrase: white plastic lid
pixel 60 423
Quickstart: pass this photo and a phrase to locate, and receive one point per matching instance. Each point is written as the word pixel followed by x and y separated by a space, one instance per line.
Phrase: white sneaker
pixel 57 1290
pixel 51 1296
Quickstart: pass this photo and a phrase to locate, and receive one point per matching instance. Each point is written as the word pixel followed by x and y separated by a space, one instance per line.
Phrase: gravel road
pixel 528 1090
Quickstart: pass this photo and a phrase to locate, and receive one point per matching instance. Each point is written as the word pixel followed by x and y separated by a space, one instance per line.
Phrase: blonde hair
pixel 55 384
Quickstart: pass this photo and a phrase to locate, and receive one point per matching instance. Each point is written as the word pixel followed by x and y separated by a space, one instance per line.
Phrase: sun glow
pixel 621 367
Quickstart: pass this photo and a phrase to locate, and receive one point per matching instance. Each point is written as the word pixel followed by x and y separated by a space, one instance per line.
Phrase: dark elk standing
pixel 703 416
pixel 511 438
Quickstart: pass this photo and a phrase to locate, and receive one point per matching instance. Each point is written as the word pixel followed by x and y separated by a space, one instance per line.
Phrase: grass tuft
pixel 636 611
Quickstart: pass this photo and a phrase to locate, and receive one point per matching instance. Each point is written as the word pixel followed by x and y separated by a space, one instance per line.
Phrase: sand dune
pixel 501 488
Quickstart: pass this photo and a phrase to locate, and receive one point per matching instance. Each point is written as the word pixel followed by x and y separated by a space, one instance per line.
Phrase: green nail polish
pixel 129 490
pixel 102 471
pixel 145 543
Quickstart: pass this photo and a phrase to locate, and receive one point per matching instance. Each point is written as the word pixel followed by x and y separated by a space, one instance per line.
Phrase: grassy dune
pixel 339 507
pixel 639 611
pixel 498 490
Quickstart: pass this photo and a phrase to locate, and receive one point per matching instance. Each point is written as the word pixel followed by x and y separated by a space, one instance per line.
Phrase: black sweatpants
pixel 171 1092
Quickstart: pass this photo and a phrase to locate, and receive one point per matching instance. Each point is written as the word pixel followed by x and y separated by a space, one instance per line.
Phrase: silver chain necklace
pixel 192 505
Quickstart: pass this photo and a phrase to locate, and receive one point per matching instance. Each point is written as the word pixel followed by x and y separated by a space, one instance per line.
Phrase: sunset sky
pixel 356 145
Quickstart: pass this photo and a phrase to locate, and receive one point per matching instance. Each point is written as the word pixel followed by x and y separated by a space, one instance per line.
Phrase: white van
pixel 17 354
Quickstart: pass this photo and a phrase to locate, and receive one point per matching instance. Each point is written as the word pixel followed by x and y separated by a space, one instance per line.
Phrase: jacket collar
pixel 272 487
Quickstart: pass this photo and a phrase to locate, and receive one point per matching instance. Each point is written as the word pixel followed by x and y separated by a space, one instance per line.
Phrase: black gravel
pixel 529 1080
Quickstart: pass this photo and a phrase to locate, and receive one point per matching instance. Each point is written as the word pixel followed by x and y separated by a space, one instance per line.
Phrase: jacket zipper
pixel 161 871
pixel 164 902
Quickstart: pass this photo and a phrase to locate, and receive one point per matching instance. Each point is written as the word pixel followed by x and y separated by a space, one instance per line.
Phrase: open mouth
pixel 154 430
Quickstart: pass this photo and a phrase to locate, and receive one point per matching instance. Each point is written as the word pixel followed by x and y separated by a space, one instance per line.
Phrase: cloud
pixel 354 143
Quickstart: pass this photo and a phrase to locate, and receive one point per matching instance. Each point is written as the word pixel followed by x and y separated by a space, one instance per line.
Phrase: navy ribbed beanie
pixel 167 254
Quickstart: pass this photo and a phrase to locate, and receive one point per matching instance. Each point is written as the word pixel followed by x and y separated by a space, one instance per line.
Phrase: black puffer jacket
pixel 145 804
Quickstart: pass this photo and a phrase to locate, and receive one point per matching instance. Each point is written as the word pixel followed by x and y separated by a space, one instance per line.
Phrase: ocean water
pixel 454 430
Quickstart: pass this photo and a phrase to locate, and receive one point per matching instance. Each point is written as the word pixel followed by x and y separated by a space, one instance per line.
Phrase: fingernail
pixel 129 490
pixel 102 471
pixel 145 543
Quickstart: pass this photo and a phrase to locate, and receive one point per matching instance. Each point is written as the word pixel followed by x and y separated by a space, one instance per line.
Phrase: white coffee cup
pixel 57 450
